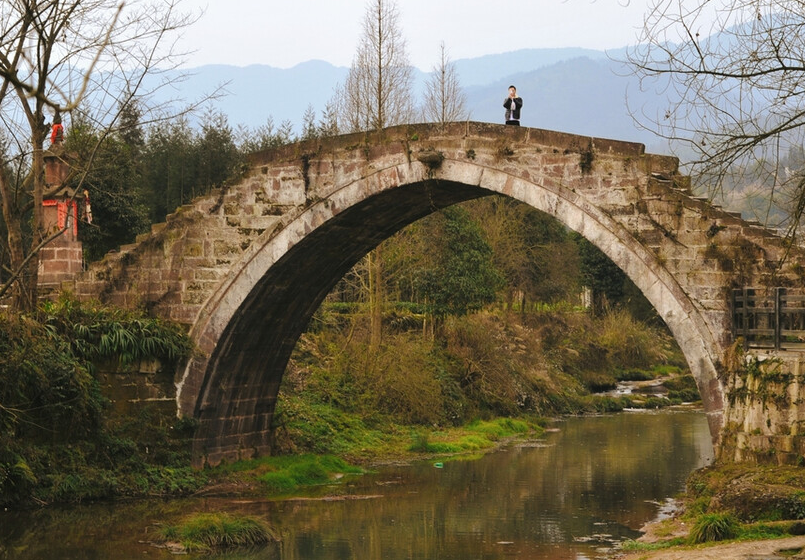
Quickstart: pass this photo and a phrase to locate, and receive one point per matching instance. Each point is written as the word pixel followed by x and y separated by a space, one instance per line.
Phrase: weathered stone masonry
pixel 246 267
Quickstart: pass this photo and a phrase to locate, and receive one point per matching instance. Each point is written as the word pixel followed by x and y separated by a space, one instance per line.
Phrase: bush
pixel 55 445
pixel 714 527
pixel 46 392
pixel 631 343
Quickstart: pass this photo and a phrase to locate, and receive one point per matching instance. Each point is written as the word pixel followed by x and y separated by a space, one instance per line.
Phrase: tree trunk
pixel 375 298
pixel 13 236
pixel 30 279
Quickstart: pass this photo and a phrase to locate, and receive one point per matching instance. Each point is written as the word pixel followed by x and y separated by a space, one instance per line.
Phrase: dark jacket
pixel 513 113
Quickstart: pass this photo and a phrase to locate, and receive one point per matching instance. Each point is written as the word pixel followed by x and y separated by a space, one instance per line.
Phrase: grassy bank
pixel 732 503
pixel 462 387
pixel 342 397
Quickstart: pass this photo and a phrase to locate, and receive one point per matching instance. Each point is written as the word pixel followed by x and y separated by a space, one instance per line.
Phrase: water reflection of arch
pixel 249 327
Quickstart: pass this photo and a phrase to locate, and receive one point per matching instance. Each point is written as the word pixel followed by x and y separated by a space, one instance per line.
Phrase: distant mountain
pixel 492 67
pixel 581 96
pixel 252 94
pixel 573 90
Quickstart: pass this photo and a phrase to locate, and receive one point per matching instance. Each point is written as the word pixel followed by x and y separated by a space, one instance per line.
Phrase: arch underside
pixel 243 374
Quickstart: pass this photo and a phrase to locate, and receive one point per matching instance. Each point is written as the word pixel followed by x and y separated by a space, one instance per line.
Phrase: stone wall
pixel 765 414
pixel 143 385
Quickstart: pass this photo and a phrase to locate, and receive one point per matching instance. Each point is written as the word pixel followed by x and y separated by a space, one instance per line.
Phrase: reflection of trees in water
pixel 596 476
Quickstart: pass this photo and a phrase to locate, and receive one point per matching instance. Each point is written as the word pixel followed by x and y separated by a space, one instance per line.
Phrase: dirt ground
pixel 791 547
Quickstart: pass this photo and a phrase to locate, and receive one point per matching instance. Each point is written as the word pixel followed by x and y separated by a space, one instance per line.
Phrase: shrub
pixel 630 343
pixel 714 527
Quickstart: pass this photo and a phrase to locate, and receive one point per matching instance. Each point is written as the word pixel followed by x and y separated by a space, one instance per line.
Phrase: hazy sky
pixel 283 33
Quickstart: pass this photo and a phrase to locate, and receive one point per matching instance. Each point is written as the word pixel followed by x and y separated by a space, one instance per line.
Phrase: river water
pixel 570 495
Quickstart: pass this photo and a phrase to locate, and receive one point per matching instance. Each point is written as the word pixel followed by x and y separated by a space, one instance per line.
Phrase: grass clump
pixel 477 435
pixel 714 527
pixel 207 532
pixel 284 474
pixel 631 545
pixel 500 427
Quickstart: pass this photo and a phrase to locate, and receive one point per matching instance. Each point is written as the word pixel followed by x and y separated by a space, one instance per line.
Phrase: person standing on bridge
pixel 513 104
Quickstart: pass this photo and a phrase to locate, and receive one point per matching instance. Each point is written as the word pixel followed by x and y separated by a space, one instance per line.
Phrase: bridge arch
pixel 247 328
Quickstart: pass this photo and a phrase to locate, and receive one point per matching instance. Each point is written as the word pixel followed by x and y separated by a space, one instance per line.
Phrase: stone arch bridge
pixel 246 267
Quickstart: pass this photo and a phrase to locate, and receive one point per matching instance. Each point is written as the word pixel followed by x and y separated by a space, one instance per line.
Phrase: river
pixel 573 494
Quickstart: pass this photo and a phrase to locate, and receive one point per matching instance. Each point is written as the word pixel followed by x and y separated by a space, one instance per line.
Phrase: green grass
pixel 501 427
pixel 206 532
pixel 475 436
pixel 637 546
pixel 714 527
pixel 287 473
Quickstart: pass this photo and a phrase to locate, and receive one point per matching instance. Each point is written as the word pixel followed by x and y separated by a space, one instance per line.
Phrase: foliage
pixel 56 443
pixel 630 343
pixel 93 332
pixel 339 397
pixel 45 392
pixel 714 527
pixel 464 277
pixel 182 163
pixel 206 532
pixel 111 168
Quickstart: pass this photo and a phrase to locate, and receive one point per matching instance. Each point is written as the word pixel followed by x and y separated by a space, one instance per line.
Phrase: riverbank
pixel 757 510
pixel 790 547
pixel 587 476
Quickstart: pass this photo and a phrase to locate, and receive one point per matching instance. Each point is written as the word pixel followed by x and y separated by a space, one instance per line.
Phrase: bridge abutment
pixel 765 414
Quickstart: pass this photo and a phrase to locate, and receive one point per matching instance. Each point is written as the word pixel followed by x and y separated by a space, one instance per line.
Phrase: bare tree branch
pixel 734 75
pixel 444 99
pixel 58 55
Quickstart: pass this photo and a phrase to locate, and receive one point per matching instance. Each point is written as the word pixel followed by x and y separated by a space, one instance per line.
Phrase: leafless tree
pixel 444 99
pixel 376 94
pixel 734 74
pixel 54 56
pixel 377 90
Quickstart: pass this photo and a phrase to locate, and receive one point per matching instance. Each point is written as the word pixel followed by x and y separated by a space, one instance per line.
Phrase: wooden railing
pixel 770 318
